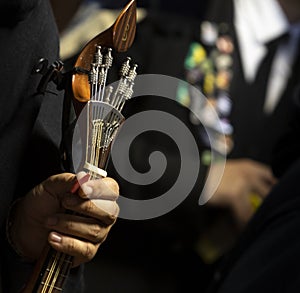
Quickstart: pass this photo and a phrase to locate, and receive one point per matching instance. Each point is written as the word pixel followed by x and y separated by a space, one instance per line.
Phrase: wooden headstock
pixel 119 37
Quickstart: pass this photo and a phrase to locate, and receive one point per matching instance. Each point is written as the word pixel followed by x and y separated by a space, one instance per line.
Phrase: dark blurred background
pixel 187 7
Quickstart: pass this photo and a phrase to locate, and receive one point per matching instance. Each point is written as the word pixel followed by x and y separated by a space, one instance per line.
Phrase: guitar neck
pixel 50 273
pixel 52 268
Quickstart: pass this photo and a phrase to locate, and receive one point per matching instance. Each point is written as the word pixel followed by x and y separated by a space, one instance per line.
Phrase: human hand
pixel 41 216
pixel 241 179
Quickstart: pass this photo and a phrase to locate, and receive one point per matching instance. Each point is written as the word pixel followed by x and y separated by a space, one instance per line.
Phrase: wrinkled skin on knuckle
pixel 97 233
pixel 88 207
pixel 69 225
pixel 89 252
pixel 71 246
pixel 112 220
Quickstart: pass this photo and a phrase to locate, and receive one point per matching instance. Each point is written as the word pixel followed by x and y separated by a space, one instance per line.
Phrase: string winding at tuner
pixel 103 110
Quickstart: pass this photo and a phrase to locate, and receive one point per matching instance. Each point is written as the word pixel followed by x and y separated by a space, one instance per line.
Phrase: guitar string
pixel 49 275
pixel 63 266
pixel 57 271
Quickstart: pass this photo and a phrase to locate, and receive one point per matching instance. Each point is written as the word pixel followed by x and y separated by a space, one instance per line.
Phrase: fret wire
pixel 64 276
pixel 49 276
pixel 67 265
pixel 64 269
pixel 62 257
pixel 64 264
pixel 57 288
pixel 54 279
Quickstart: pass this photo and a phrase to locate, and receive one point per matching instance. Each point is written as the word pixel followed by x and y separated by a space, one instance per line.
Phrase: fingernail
pixel 55 237
pixel 52 221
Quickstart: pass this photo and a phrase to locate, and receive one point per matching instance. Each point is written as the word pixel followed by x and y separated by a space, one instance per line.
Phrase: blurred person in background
pixel 244 56
pixel 266 256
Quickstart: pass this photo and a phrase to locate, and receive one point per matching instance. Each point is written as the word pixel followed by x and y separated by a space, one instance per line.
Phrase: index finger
pixel 60 184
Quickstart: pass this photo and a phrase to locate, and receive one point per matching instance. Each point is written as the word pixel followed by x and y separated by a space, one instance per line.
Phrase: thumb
pixel 59 184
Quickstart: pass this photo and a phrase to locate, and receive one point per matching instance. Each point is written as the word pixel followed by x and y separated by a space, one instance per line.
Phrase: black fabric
pixel 265 66
pixel 15 10
pixel 267 256
pixel 255 132
pixel 287 150
pixel 20 105
pixel 160 252
pixel 30 125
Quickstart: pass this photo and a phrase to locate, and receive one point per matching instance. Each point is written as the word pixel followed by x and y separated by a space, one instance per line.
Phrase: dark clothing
pixel 287 149
pixel 159 254
pixel 267 256
pixel 30 127
pixel 23 43
pixel 166 245
pixel 255 133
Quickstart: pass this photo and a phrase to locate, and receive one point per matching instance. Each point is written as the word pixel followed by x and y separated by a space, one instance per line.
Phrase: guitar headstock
pixel 119 37
pixel 101 117
pixel 98 107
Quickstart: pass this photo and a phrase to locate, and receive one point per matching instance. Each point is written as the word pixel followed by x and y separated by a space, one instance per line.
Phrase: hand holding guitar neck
pixel 41 216
pixel 90 200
